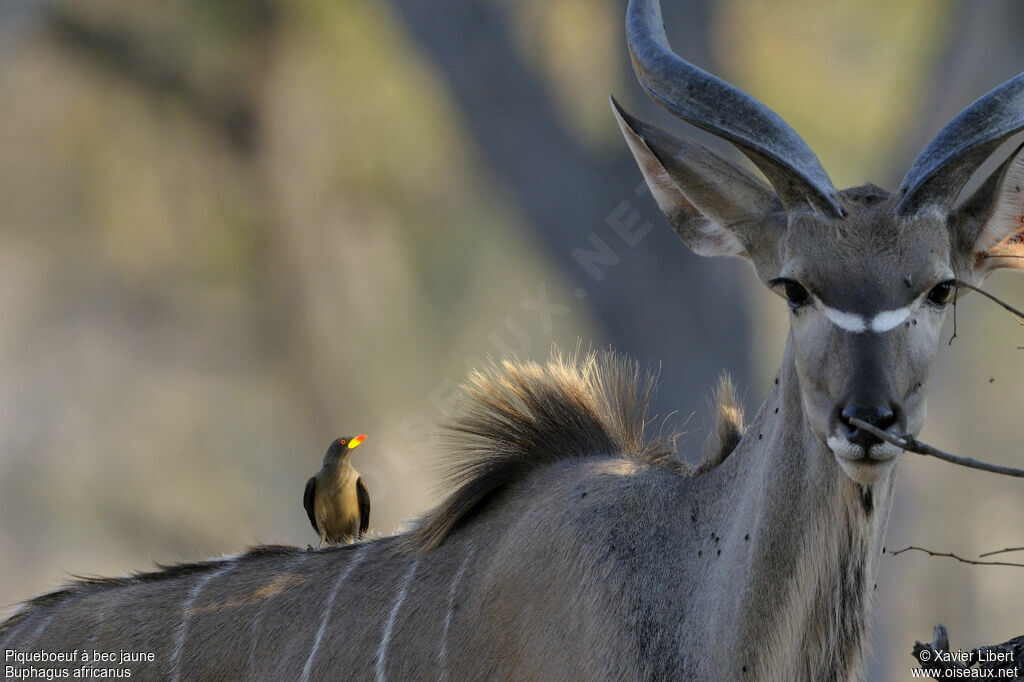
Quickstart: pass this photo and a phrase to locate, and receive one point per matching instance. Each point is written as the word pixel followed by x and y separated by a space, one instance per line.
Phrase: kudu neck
pixel 814 534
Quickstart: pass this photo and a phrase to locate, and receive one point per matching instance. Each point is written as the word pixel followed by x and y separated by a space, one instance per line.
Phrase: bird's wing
pixel 307 501
pixel 364 505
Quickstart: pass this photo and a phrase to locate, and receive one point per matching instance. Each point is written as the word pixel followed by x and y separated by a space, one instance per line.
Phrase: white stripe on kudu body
pixel 442 655
pixel 382 650
pixel 255 629
pixel 186 614
pixel 39 630
pixel 326 615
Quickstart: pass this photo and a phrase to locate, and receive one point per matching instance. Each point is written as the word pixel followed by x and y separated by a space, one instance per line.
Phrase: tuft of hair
pixel 728 426
pixel 516 417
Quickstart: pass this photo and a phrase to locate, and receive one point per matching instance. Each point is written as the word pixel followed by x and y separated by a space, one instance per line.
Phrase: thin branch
pixel 1002 551
pixel 954 556
pixel 1017 313
pixel 911 444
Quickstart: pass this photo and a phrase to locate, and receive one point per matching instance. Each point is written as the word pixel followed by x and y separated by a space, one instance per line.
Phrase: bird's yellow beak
pixel 354 443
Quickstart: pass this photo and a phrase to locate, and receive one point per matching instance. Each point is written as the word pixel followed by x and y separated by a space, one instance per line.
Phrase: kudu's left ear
pixel 988 228
pixel 716 208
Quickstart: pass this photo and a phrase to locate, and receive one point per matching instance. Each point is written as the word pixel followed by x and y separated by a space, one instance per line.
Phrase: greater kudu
pixel 573 548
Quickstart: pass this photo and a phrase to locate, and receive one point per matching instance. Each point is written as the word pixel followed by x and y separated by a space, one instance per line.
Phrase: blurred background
pixel 231 231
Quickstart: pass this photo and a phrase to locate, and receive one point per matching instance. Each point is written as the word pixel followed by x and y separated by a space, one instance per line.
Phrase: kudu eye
pixel 792 290
pixel 942 292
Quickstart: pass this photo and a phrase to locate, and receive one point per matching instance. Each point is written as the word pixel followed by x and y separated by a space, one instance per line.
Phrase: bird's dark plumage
pixel 307 501
pixel 364 505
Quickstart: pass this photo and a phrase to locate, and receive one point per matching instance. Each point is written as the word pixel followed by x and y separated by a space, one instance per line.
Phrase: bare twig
pixel 1017 313
pixel 911 444
pixel 1002 551
pixel 954 556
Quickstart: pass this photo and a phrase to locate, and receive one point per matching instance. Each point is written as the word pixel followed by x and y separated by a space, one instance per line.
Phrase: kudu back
pixel 572 545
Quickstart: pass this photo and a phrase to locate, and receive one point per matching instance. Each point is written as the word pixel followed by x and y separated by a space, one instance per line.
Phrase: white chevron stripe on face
pixel 858 324
pixel 846 321
pixel 890 319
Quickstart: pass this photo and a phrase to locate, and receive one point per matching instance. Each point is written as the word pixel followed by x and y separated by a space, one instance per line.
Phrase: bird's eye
pixel 942 292
pixel 794 292
pixel 342 441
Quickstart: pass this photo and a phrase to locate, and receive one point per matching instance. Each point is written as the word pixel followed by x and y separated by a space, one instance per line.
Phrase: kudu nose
pixel 879 416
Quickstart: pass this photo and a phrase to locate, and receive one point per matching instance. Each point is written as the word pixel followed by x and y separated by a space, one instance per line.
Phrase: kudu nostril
pixel 877 415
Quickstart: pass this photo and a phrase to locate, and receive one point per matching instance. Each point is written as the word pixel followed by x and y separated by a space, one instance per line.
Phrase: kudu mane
pixel 515 418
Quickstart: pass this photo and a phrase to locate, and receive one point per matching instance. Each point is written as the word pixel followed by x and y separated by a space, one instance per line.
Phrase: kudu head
pixel 868 275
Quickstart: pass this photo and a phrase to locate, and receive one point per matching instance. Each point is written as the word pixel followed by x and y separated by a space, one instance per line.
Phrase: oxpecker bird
pixel 336 499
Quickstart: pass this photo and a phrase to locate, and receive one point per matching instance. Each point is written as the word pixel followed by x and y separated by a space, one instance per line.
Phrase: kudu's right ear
pixel 989 226
pixel 716 207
